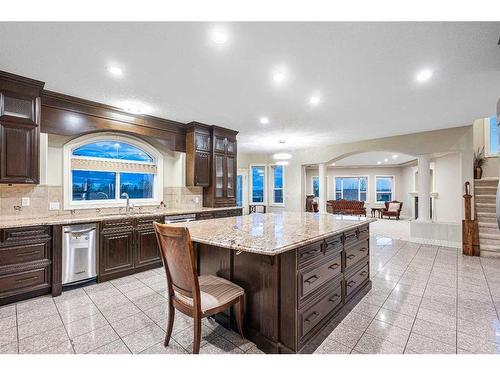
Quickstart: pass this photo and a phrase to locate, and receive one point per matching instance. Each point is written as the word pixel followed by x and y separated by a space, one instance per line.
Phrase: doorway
pixel 242 190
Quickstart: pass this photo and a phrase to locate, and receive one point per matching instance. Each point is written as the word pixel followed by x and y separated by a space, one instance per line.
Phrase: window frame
pixel 486 131
pixel 272 188
pixel 359 190
pixel 250 180
pixel 393 189
pixel 327 186
pixel 70 204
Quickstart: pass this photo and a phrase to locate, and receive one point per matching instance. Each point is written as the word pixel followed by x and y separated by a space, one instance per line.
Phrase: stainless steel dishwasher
pixel 79 253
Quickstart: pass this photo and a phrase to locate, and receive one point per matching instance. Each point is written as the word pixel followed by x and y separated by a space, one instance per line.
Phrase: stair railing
pixel 470 228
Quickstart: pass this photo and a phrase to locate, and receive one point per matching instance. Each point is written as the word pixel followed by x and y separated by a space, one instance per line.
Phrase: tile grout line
pixel 64 325
pixel 392 289
pixel 421 299
pixel 456 315
pixel 489 289
pixel 17 329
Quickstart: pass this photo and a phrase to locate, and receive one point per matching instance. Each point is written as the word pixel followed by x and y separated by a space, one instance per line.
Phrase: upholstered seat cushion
pixel 214 292
pixel 393 207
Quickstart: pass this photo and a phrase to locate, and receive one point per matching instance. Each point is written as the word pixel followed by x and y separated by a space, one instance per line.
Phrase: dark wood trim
pixel 57 238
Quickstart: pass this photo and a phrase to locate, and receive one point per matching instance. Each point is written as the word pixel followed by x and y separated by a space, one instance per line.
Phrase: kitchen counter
pixel 271 233
pixel 86 217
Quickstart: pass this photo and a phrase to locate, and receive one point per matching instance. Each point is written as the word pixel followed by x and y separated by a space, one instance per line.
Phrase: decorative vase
pixel 478 173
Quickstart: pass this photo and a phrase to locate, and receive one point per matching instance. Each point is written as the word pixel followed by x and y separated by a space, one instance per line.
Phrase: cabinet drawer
pixel 356 253
pixel 204 216
pixel 350 237
pixel 364 232
pixel 316 275
pixel 311 316
pixel 310 253
pixel 333 244
pixel 25 234
pixel 118 225
pixel 23 253
pixel 147 222
pixel 355 280
pixel 15 282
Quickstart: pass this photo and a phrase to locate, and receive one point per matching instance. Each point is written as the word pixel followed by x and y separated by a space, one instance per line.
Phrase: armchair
pixel 392 209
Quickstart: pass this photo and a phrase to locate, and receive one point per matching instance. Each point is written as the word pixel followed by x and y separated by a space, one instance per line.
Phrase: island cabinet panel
pixel 292 297
pixel 25 263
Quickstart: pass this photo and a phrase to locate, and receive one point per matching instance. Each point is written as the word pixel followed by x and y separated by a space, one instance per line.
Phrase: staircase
pixel 485 204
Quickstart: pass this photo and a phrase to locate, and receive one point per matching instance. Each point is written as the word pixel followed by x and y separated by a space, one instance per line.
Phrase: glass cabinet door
pixel 230 177
pixel 202 142
pixel 220 144
pixel 219 176
pixel 231 147
pixel 17 107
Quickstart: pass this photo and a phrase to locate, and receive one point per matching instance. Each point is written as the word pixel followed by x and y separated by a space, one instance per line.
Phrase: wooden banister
pixel 470 228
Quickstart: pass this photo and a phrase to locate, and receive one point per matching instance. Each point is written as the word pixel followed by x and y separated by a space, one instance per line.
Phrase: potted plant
pixel 479 161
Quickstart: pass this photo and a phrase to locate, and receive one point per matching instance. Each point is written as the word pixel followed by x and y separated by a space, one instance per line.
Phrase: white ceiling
pixel 365 73
pixel 371 159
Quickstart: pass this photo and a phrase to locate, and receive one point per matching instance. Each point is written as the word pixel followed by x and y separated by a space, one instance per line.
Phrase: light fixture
pixel 334 164
pixel 395 156
pixel 379 162
pixel 282 162
pixel 282 156
pixel 219 36
pixel 115 70
pixel 386 160
pixel 281 141
pixel 424 75
pixel 314 100
pixel 279 76
pixel 264 120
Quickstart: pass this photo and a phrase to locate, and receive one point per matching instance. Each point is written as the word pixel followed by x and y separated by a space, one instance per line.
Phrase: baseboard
pixel 434 242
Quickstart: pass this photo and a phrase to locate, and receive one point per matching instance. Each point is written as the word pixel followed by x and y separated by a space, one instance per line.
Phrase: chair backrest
pixel 400 204
pixel 178 259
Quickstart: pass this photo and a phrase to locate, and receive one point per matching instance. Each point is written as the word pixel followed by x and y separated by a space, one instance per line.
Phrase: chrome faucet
pixel 128 206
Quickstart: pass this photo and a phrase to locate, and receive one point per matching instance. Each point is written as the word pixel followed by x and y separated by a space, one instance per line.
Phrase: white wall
pixel 449 188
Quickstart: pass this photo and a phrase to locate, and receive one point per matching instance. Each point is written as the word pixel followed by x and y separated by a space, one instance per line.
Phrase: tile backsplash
pixel 41 195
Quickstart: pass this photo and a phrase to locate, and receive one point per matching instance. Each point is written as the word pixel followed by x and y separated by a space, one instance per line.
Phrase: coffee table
pixel 377 212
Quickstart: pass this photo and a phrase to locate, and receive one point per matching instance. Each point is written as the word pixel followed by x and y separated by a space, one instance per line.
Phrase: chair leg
pixel 170 325
pixel 197 334
pixel 239 307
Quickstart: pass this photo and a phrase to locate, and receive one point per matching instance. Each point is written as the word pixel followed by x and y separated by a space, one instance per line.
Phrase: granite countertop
pixel 271 233
pixel 95 217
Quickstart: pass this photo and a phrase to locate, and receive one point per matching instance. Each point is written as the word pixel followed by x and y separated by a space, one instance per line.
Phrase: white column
pixel 424 192
pixel 322 188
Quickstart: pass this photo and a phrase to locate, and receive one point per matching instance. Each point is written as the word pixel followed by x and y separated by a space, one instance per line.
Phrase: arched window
pixel 101 170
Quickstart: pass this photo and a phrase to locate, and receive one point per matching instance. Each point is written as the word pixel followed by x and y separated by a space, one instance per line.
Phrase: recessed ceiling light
pixel 264 120
pixel 424 75
pixel 279 76
pixel 395 156
pixel 386 160
pixel 219 36
pixel 282 141
pixel 282 156
pixel 282 162
pixel 379 162
pixel 115 70
pixel 314 100
pixel 334 164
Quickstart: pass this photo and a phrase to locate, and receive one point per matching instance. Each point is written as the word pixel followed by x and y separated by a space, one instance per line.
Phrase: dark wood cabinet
pixel 19 129
pixel 198 155
pixel 25 263
pixel 117 252
pixel 147 251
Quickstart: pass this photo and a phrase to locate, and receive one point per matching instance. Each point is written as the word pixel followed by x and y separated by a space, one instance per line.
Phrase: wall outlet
pixel 25 201
pixel 53 206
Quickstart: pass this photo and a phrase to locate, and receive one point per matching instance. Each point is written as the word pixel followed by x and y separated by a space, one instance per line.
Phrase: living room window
pixel 315 186
pixel 257 184
pixel 384 188
pixel 351 188
pixel 99 169
pixel 491 137
pixel 278 182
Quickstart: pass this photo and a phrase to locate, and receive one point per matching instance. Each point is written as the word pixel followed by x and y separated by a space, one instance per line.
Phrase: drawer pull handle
pixel 350 256
pixel 311 317
pixel 351 283
pixel 26 279
pixel 312 279
pixel 363 249
pixel 334 266
pixel 308 252
pixel 364 273
pixel 27 253
pixel 334 298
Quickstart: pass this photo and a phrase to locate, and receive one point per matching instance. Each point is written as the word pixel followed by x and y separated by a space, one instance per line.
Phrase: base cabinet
pixel 116 252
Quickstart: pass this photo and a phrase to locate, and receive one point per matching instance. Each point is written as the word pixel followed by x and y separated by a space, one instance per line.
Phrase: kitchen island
pixel 298 271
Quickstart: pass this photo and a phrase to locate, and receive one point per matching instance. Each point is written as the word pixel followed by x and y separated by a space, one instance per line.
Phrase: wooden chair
pixel 193 295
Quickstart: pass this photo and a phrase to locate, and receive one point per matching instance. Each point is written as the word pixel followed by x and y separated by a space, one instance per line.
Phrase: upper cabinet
pixel 211 163
pixel 19 129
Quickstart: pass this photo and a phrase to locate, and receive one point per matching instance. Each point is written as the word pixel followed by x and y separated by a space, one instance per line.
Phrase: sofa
pixel 392 209
pixel 345 207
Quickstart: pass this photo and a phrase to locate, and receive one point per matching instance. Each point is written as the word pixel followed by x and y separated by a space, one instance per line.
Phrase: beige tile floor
pixel 424 299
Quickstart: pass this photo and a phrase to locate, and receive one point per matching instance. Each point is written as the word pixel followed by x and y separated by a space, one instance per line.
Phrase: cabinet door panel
pixel 220 144
pixel 219 176
pixel 147 248
pixel 230 177
pixel 18 152
pixel 116 253
pixel 202 169
pixel 202 142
